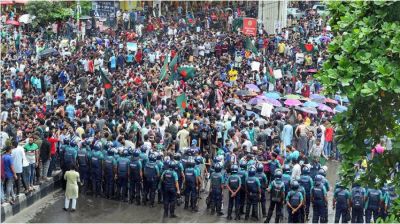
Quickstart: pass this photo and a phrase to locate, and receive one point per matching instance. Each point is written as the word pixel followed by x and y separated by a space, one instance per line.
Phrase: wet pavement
pixel 91 209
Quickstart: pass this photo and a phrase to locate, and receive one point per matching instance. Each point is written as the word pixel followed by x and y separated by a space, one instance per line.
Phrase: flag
pixel 163 71
pixel 173 65
pixel 148 107
pixel 181 101
pixel 308 48
pixel 190 19
pixel 237 23
pixel 186 73
pixel 107 85
pixel 250 46
pixel 250 26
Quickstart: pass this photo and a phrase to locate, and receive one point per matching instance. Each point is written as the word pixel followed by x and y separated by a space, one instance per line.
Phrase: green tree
pixel 364 64
pixel 48 11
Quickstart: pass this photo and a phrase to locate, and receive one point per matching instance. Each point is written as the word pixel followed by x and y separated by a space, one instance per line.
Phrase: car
pixel 295 13
pixel 320 9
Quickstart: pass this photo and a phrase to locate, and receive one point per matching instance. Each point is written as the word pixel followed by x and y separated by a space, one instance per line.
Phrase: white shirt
pixel 19 159
pixel 296 171
pixel 248 145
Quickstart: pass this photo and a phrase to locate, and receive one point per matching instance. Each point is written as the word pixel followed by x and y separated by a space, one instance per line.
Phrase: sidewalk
pixel 24 201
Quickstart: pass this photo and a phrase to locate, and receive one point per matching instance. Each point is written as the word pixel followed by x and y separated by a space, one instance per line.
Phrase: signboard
pixel 250 26
pixel 106 9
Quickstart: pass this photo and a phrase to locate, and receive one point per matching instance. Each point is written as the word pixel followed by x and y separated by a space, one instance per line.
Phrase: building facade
pixel 273 14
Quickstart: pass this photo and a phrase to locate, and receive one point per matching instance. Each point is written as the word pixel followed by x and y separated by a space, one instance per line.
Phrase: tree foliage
pixel 364 64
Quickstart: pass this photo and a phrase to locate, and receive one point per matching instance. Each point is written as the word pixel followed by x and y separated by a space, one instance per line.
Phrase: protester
pixel 72 191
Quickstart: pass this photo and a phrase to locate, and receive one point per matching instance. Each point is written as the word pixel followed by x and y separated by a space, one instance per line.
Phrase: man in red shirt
pixel 328 138
pixel 53 139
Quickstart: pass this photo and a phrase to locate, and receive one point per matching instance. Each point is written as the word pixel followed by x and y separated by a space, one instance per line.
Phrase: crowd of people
pixel 104 110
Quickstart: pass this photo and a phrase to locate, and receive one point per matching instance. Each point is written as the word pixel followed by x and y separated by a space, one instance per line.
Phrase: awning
pixel 6 2
pixel 21 1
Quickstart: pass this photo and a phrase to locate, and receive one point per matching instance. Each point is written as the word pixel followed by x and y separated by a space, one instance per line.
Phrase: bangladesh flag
pixel 248 45
pixel 308 48
pixel 186 73
pixel 173 65
pixel 237 23
pixel 181 101
pixel 163 71
pixel 107 85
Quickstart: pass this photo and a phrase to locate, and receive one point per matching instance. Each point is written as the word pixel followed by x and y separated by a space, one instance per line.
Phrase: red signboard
pixel 250 26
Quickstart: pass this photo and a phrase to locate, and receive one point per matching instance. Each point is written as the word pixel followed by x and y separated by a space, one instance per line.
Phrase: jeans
pixel 2 191
pixel 52 165
pixel 21 177
pixel 32 174
pixel 9 188
pixel 327 148
pixel 44 169
pixel 73 205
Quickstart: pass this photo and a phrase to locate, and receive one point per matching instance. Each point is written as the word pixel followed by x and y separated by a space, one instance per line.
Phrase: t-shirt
pixel 30 150
pixel 7 163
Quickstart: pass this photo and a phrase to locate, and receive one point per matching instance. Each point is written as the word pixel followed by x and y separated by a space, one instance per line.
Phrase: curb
pixel 24 201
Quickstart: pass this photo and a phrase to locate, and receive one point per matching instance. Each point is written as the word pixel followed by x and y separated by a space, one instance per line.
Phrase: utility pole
pixel 78 14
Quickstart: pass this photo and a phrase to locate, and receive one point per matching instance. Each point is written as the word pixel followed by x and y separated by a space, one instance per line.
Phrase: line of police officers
pixel 138 175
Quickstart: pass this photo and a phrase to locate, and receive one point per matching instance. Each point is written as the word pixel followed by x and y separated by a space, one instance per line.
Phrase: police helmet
pixel 198 160
pixel 260 167
pixel 306 170
pixel 159 156
pixel 286 168
pixel 278 174
pixel 322 172
pixel 190 162
pixel 110 152
pixel 110 144
pixel 125 152
pixel 217 167
pixel 97 146
pixel 318 179
pixel 252 171
pixel 177 156
pixel 152 157
pixel 88 141
pixel 136 153
pixel 66 141
pixel 73 142
pixel 172 164
pixel 243 164
pixel 294 185
pixel 143 148
pixel 234 168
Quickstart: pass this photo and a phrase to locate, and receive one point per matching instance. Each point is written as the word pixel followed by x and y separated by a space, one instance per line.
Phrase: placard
pixel 131 46
pixel 278 74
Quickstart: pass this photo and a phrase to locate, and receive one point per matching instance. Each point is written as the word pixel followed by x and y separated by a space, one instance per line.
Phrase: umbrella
pixel 273 102
pixel 292 102
pixel 227 84
pixel 257 100
pixel 329 100
pixel 249 113
pixel 317 96
pixel 312 70
pixel 340 108
pixel 6 2
pixel 234 101
pixel 309 110
pixel 273 95
pixel 310 104
pixel 281 109
pixel 252 87
pixel 323 107
pixel 292 96
pixel 48 52
pixel 244 93
pixel 343 99
pixel 12 22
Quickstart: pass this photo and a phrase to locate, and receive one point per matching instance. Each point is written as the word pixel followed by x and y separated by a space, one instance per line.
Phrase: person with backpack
pixel 192 184
pixel 294 201
pixel 217 185
pixel 96 168
pixel 374 199
pixel 391 196
pixel 151 175
pixel 277 190
pixel 135 174
pixel 319 200
pixel 234 184
pixel 358 194
pixel 307 183
pixel 83 165
pixel 341 201
pixel 253 193
pixel 109 173
pixel 263 180
pixel 122 172
pixel 242 173
pixel 273 164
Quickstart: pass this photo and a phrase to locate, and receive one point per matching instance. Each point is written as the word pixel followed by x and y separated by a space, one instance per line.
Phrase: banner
pixel 250 26
pixel 131 46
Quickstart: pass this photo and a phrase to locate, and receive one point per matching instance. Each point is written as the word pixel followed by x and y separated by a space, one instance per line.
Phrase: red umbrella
pixel 6 2
pixel 12 22
pixel 328 100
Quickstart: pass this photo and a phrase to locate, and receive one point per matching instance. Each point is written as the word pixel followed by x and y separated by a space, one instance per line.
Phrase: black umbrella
pixel 48 52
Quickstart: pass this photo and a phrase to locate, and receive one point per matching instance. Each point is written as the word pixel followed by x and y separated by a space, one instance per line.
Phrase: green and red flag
pixel 186 73
pixel 248 45
pixel 107 84
pixel 163 71
pixel 148 107
pixel 308 48
pixel 173 65
pixel 181 101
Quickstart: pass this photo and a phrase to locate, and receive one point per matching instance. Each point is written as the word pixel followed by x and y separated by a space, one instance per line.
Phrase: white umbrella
pixel 26 18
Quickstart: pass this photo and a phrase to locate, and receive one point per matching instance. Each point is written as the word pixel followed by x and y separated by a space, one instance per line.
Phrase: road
pixel 90 209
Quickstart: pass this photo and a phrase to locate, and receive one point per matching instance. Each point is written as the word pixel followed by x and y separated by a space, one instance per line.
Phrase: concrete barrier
pixel 24 201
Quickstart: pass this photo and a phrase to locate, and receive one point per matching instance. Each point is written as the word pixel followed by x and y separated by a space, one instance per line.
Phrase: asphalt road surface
pixel 90 209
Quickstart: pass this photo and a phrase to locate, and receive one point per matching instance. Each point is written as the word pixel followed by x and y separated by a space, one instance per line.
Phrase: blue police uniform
pixel 318 194
pixel 307 183
pixel 135 180
pixel 342 197
pixel 358 194
pixel 242 193
pixel 96 171
pixel 83 163
pixel 217 180
pixel 168 181
pixel 253 189
pixel 109 168
pixel 191 176
pixel 234 182
pixel 372 204
pixel 151 175
pixel 122 172
pixel 262 178
pixel 277 190
pixel 294 198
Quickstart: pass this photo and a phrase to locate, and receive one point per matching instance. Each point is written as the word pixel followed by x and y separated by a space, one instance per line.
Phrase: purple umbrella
pixel 273 102
pixel 257 100
pixel 252 87
pixel 323 107
pixel 292 102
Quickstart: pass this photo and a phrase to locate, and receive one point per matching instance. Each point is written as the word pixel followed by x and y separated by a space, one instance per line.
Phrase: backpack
pixel 295 200
pixel 306 183
pixel 318 193
pixel 272 166
pixel 150 171
pixel 373 199
pixel 276 194
pixel 357 198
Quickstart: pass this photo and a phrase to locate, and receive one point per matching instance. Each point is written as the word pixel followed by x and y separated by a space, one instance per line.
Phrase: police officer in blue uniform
pixel 151 176
pixel 294 201
pixel 83 165
pixel 341 200
pixel 307 183
pixel 373 204
pixel 109 173
pixel 358 194
pixel 169 183
pixel 96 168
pixel 122 172
pixel 277 190
pixel 217 185
pixel 135 177
pixel 160 164
pixel 286 178
pixel 264 181
pixel 192 184
pixel 179 170
pixel 243 176
pixel 319 200
pixel 234 184
pixel 253 193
